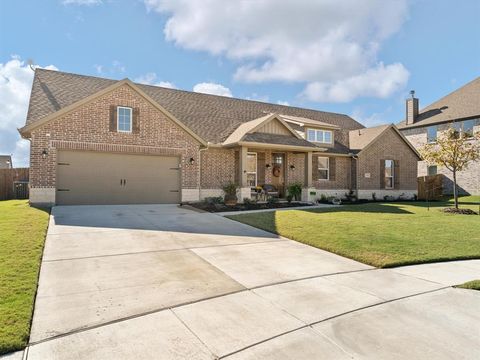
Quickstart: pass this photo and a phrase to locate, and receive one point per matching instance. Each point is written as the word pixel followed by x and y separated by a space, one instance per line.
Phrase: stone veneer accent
pixel 468 181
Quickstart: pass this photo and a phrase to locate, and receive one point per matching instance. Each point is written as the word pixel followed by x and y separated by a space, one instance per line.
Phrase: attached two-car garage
pixel 97 178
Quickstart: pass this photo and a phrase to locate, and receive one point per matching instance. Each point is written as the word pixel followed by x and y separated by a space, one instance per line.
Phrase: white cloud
pixel 213 89
pixel 322 41
pixel 82 2
pixel 256 97
pixel 15 84
pixel 372 119
pixel 152 79
pixel 285 103
pixel 380 82
pixel 116 68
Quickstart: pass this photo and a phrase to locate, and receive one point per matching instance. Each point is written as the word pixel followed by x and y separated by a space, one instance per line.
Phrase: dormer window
pixel 124 119
pixel 319 136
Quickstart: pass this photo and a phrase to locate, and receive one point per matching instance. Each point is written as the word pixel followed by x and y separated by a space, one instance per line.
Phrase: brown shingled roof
pixel 360 138
pixel 211 117
pixel 460 104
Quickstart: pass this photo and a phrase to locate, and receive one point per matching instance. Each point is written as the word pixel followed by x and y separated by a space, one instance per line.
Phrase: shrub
pixel 295 190
pixel 213 200
pixel 289 198
pixel 248 201
pixel 272 200
pixel 374 196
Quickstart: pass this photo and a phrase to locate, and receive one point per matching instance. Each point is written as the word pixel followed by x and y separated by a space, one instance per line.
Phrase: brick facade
pixel 468 181
pixel 390 146
pixel 87 128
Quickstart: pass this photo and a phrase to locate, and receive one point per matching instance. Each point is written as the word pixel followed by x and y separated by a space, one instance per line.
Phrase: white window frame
pixel 316 136
pixel 118 119
pixel 323 169
pixel 392 176
pixel 256 168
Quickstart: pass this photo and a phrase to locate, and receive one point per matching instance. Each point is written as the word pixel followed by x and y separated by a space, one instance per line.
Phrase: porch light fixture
pixel 44 153
pixel 191 161
pixel 268 166
pixel 292 167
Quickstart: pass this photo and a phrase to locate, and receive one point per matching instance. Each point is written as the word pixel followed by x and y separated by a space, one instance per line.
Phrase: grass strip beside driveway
pixel 472 285
pixel 22 236
pixel 379 234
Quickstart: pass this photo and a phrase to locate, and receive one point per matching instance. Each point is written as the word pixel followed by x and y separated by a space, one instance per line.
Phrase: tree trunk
pixel 455 193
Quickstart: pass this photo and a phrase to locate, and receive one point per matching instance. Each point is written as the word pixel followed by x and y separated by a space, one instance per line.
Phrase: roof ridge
pixel 199 93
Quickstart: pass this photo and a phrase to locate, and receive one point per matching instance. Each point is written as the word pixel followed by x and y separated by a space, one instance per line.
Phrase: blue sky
pixel 352 57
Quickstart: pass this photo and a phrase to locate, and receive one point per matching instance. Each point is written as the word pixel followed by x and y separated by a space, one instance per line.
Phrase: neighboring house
pixel 5 162
pixel 460 109
pixel 100 141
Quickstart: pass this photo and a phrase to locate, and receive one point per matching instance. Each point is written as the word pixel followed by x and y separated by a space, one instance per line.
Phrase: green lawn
pixel 22 235
pixel 380 234
pixel 472 285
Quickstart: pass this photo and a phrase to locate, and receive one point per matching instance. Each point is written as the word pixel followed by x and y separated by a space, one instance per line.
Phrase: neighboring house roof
pixel 363 138
pixel 211 117
pixel 5 161
pixel 460 104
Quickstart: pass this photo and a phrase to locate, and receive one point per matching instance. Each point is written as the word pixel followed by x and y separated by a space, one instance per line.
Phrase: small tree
pixel 453 150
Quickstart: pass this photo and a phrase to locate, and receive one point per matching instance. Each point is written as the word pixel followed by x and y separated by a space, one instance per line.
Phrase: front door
pixel 278 172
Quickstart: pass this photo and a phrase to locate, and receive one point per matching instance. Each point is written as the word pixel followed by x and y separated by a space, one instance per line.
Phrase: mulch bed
pixel 243 207
pixel 452 210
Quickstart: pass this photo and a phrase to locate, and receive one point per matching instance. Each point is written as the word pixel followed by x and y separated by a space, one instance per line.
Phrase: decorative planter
pixel 230 200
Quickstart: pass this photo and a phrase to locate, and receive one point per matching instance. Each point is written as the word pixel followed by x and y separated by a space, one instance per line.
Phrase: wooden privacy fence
pixel 430 187
pixel 14 183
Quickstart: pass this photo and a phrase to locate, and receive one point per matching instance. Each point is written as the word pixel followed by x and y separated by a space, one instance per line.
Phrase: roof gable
pixel 26 130
pixel 363 139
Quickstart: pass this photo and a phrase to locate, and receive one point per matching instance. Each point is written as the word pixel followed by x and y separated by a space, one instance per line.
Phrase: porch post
pixel 308 177
pixel 242 176
pixel 244 191
pixel 308 169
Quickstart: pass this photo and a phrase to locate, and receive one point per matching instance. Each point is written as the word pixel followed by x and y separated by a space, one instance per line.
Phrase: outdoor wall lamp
pixel 268 166
pixel 191 161
pixel 292 167
pixel 44 153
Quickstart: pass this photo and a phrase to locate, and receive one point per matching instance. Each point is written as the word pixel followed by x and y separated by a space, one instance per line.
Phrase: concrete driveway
pixel 164 282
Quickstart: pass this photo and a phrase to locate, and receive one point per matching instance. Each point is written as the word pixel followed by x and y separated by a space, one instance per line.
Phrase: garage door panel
pixel 104 178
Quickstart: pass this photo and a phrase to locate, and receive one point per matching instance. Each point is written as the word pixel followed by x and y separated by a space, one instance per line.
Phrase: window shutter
pixel 331 168
pixel 113 118
pixel 315 168
pixel 396 174
pixel 382 173
pixel 136 120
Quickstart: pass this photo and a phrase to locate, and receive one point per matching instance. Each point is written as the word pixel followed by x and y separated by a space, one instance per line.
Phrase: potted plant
pixel 230 190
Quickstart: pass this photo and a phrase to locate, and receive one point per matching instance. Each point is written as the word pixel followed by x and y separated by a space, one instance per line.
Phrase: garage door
pixel 102 178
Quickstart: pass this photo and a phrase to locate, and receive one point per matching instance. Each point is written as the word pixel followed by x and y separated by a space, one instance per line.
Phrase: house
pixel 102 141
pixel 459 109
pixel 6 162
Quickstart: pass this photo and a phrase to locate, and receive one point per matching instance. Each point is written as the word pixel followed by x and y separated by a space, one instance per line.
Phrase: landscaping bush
pixel 295 190
pixel 214 200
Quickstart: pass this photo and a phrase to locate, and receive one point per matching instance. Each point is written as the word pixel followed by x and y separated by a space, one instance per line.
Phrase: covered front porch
pixel 259 167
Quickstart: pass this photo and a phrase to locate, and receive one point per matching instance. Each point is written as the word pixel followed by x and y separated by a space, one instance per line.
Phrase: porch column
pixel 242 168
pixel 308 169
pixel 244 190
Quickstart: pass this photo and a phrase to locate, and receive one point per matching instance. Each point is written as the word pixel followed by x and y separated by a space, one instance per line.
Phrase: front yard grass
pixel 22 235
pixel 472 285
pixel 380 234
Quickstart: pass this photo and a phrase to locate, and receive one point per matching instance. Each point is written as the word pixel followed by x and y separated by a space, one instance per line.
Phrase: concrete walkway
pixel 143 282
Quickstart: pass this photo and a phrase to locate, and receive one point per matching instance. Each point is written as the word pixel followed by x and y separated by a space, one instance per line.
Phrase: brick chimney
pixel 412 108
